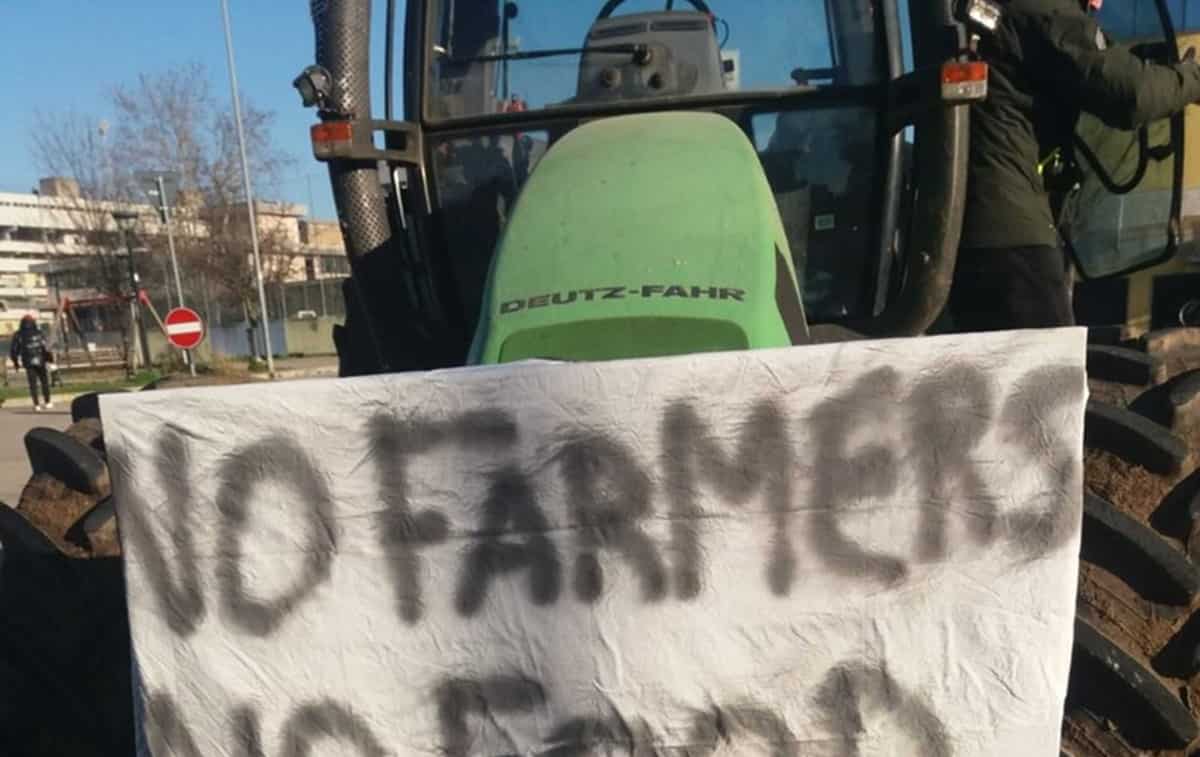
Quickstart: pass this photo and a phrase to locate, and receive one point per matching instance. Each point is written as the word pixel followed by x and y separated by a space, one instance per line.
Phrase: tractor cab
pixel 617 56
pixel 468 228
pixel 538 58
pixel 767 148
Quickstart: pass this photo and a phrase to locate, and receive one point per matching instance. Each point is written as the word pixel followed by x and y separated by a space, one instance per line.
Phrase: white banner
pixel 866 548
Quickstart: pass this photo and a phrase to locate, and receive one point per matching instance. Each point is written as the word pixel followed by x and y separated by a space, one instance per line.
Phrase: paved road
pixel 17 417
pixel 14 465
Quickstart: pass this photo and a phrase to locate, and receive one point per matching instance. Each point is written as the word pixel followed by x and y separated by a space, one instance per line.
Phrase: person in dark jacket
pixel 1048 61
pixel 29 349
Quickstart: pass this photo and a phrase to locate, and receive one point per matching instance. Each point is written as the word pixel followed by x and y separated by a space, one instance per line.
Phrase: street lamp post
pixel 165 208
pixel 126 220
pixel 241 137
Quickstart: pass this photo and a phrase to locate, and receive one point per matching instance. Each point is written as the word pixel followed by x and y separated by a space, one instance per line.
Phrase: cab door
pixel 1124 214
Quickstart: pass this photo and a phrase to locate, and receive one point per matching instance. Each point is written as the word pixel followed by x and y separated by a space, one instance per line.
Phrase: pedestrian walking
pixel 29 350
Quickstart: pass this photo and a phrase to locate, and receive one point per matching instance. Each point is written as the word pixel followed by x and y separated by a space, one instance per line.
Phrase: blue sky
pixel 67 55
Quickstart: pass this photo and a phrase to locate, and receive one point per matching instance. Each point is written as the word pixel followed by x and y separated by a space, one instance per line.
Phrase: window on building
pixel 335 265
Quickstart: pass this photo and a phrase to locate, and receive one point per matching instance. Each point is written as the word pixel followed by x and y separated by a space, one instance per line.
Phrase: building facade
pixel 46 237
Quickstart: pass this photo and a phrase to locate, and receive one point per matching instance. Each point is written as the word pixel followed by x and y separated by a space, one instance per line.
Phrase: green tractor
pixel 732 188
pixel 654 178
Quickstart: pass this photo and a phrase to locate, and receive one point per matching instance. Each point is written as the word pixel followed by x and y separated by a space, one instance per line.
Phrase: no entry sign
pixel 184 328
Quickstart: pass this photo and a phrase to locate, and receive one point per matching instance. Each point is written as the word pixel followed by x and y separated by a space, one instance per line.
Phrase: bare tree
pixel 171 121
pixel 226 258
pixel 74 146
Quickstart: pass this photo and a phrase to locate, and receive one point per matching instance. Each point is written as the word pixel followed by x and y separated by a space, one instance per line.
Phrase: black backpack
pixel 33 348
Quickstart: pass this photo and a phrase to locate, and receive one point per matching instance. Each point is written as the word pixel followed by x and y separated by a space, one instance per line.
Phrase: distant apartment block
pixel 45 235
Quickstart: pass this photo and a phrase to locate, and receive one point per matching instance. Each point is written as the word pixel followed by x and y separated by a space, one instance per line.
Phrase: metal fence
pixel 234 340
pixel 300 315
pixel 322 297
pixel 319 298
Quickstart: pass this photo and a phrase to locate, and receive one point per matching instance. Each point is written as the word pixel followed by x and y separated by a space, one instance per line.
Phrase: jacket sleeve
pixel 15 349
pixel 1068 53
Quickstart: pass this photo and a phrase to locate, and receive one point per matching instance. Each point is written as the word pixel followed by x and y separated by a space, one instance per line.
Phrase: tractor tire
pixel 62 457
pixel 1134 688
pixel 65 667
pixel 64 632
pixel 88 405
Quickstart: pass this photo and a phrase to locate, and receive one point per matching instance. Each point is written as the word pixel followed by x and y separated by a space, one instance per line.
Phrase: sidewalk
pixel 317 366
pixel 17 417
pixel 286 369
pixel 61 400
pixel 14 463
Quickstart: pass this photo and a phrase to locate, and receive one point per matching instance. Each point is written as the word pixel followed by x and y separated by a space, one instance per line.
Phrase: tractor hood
pixel 651 234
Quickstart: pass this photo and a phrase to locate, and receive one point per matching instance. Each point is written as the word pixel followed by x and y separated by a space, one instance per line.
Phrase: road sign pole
pixel 166 211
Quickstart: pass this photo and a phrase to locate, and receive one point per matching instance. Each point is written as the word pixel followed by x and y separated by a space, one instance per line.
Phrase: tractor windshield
pixel 825 153
pixel 492 56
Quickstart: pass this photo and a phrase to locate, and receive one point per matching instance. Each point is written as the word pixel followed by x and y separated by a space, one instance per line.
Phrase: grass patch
pixel 17 388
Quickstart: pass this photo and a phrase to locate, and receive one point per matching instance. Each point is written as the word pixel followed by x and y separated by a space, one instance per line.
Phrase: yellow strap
pixel 1041 166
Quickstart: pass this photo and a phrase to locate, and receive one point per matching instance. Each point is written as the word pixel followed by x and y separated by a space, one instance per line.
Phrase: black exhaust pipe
pixel 343 35
pixel 343 30
pixel 388 327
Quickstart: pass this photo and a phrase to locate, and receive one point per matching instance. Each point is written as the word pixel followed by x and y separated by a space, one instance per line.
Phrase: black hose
pixel 343 32
pixel 1106 180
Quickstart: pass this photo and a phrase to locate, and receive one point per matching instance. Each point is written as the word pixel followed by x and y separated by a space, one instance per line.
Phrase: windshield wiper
pixel 639 52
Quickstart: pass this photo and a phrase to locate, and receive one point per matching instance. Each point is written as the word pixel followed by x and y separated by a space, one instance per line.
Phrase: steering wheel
pixel 612 5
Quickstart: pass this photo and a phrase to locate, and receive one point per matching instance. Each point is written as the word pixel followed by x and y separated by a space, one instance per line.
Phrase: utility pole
pixel 165 208
pixel 237 118
pixel 125 221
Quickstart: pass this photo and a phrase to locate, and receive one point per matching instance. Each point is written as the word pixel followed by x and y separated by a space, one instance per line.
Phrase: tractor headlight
pixel 314 84
pixel 984 15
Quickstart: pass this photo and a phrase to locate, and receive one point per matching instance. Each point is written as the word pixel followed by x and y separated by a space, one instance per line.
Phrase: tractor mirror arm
pixel 353 139
pixel 918 92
